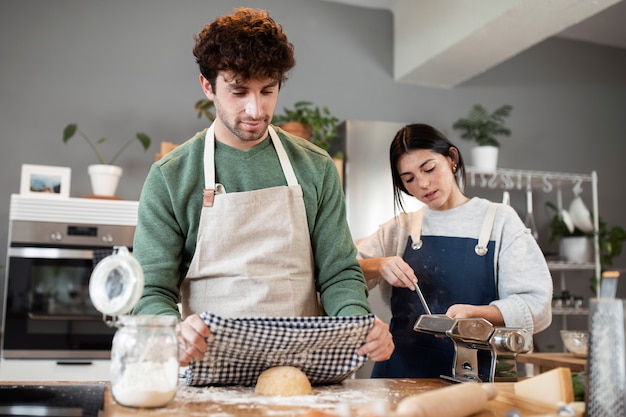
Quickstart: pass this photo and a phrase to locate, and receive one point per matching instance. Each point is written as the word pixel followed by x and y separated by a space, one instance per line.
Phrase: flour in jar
pixel 146 384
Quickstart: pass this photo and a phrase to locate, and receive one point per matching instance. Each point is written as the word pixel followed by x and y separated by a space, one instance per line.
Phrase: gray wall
pixel 122 66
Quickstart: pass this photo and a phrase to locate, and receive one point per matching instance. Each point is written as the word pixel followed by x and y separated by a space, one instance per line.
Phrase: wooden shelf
pixel 569 266
pixel 570 311
pixel 545 361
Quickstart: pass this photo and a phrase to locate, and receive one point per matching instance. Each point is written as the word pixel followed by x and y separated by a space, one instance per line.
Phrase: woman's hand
pixel 463 311
pixel 378 343
pixel 393 269
pixel 192 339
pixel 397 272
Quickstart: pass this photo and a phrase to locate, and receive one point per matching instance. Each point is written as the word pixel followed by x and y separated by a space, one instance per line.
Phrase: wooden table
pixel 359 395
pixel 545 361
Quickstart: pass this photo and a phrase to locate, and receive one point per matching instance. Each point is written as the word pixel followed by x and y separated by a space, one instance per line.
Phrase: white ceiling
pixel 443 43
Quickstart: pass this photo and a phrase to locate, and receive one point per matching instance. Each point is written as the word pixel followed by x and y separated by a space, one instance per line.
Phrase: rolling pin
pixel 459 400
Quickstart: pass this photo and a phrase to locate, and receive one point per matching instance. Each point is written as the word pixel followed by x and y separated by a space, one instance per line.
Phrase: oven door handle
pixel 83 317
pixel 50 253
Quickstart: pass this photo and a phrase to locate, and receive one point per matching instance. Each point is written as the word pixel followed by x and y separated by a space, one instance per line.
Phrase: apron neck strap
pixel 290 176
pixel 209 158
pixel 485 230
pixel 483 237
pixel 416 229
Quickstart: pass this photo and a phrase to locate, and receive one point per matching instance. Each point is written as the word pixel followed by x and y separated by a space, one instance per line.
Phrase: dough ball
pixel 284 381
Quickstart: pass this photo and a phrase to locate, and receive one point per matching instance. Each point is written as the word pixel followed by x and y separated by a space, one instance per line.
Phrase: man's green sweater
pixel 171 202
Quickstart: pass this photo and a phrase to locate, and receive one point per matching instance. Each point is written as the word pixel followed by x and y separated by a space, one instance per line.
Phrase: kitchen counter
pixel 360 395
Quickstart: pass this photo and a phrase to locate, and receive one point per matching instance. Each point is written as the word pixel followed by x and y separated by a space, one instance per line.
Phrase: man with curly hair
pixel 244 219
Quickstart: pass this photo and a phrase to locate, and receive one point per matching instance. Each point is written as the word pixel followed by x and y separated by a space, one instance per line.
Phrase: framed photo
pixel 45 181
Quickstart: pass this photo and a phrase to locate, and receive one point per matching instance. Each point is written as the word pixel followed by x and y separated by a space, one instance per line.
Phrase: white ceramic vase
pixel 104 179
pixel 485 158
pixel 576 249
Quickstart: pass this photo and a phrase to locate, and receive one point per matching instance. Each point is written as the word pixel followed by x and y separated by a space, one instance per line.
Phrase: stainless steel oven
pixel 53 247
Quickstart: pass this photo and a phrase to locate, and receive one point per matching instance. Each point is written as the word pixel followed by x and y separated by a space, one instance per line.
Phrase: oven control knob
pixel 107 238
pixel 56 236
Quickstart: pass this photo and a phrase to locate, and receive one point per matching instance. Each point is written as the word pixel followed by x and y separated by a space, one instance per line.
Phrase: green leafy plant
pixel 578 383
pixel 71 129
pixel 204 106
pixel 323 125
pixel 558 228
pixel 610 239
pixel 483 127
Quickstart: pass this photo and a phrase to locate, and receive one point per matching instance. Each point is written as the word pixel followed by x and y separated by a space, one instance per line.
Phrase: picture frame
pixel 45 181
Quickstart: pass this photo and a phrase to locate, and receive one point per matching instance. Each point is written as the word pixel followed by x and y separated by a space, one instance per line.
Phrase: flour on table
pixel 328 397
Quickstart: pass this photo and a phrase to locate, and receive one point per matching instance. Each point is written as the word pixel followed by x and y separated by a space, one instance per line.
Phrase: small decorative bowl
pixel 576 342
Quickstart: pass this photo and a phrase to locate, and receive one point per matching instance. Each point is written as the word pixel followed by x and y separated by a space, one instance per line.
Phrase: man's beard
pixel 244 135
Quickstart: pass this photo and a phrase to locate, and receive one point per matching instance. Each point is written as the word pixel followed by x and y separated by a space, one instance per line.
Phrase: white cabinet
pixel 550 184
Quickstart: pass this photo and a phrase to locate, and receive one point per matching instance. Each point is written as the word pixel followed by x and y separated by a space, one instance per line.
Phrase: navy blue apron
pixel 449 272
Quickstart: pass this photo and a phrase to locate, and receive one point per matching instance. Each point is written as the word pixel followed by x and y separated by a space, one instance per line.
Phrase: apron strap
pixel 210 188
pixel 483 237
pixel 416 229
pixel 290 176
pixel 485 231
pixel 209 167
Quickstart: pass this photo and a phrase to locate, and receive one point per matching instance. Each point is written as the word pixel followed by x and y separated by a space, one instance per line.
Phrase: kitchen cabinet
pixel 552 184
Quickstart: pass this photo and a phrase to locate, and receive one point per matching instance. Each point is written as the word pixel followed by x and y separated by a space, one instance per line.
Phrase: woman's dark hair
pixel 421 136
pixel 248 43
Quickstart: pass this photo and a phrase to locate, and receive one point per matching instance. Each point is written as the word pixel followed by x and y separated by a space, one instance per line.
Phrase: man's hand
pixel 378 343
pixel 192 339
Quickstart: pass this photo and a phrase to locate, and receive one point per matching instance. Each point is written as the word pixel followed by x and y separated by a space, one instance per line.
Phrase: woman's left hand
pixel 463 311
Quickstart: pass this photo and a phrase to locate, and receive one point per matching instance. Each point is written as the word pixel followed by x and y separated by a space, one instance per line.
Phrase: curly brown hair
pixel 248 43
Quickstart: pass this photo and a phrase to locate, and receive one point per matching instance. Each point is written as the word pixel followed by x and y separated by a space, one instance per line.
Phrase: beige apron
pixel 253 254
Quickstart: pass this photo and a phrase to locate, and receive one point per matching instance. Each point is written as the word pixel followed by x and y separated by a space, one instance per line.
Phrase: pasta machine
pixel 482 352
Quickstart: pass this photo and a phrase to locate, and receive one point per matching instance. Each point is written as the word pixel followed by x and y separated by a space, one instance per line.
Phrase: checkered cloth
pixel 324 348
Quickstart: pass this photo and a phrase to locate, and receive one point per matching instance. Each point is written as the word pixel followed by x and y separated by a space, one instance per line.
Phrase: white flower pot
pixel 104 179
pixel 485 158
pixel 576 249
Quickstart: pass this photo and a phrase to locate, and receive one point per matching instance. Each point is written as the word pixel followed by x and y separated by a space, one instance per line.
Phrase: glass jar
pixel 144 361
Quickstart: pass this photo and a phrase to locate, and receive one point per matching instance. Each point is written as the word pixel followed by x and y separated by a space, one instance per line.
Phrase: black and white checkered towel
pixel 324 348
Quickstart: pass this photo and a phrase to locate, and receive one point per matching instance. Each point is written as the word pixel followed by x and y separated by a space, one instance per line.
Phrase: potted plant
pixel 483 128
pixel 575 245
pixel 310 122
pixel 204 106
pixel 610 239
pixel 104 175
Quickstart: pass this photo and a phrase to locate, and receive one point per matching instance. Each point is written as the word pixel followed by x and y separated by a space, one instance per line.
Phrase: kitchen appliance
pixel 606 385
pixel 369 189
pixel 482 352
pixel 53 246
pixel 86 400
pixel 368 183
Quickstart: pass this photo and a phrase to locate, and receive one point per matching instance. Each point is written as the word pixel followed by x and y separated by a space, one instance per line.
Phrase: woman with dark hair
pixel 470 257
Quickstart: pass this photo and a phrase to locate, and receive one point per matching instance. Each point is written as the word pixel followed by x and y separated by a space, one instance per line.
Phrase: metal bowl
pixel 576 342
